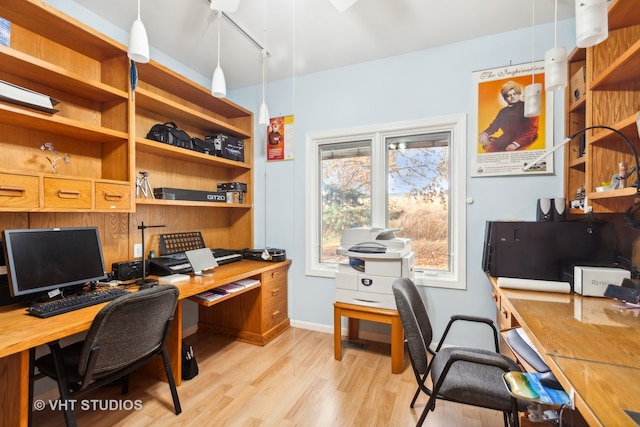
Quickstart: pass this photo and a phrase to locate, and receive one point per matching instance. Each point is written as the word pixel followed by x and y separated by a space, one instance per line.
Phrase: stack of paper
pixel 209 295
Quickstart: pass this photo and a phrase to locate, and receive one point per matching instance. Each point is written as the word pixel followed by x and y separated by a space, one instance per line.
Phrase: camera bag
pixel 169 133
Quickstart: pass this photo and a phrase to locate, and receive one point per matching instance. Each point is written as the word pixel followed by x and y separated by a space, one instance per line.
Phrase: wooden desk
pixel 591 346
pixel 19 332
pixel 355 313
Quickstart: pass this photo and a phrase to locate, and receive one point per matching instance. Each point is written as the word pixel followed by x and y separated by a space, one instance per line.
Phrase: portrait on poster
pixel 280 139
pixel 505 140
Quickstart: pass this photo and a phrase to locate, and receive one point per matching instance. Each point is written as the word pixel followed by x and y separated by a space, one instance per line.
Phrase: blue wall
pixel 429 83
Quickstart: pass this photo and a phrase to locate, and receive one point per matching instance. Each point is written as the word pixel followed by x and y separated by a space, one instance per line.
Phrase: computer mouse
pixel 549 380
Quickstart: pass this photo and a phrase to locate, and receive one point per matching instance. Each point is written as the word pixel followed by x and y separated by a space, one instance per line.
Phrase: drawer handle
pixel 113 197
pixel 504 312
pixel 68 194
pixel 275 274
pixel 275 314
pixel 275 291
pixel 11 189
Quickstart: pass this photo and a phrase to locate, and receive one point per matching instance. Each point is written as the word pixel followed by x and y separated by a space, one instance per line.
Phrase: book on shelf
pixel 26 97
pixel 5 32
pixel 209 295
pixel 247 283
pixel 228 288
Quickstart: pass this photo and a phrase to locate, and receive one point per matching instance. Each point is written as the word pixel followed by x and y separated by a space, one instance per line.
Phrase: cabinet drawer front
pixel 274 314
pixel 67 193
pixel 18 191
pixel 113 196
pixel 274 293
pixel 276 274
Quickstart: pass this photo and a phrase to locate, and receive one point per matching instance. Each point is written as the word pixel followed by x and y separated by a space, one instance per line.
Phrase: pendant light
pixel 263 115
pixel 138 42
pixel 592 22
pixel 218 84
pixel 533 92
pixel 555 62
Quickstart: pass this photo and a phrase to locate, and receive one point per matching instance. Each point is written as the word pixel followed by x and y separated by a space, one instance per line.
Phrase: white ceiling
pixel 314 32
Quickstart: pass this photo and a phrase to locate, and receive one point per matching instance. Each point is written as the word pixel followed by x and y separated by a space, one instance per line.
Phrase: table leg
pixel 337 333
pixel 397 346
pixel 354 328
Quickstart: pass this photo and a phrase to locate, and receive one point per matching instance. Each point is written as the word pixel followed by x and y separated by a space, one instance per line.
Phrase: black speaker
pixel 559 209
pixel 128 270
pixel 544 212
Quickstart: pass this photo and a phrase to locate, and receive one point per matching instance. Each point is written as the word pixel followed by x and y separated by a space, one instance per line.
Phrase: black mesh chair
pixel 125 334
pixel 465 375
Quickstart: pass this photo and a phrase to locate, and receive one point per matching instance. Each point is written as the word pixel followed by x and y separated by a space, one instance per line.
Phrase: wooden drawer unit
pixel 63 193
pixel 113 197
pixel 256 316
pixel 274 297
pixel 18 191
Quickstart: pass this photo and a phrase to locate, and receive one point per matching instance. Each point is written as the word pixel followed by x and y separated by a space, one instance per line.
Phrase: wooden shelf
pixel 623 70
pixel 622 13
pixel 48 74
pixel 214 205
pixel 161 149
pixel 177 112
pixel 55 124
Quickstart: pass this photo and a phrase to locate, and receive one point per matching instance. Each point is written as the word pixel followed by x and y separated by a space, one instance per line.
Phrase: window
pixel 408 175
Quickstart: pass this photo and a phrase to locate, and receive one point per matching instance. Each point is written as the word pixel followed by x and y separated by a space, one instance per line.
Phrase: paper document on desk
pixel 534 285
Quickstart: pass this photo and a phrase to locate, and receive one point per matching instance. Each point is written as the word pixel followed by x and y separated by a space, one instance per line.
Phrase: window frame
pixel 456 125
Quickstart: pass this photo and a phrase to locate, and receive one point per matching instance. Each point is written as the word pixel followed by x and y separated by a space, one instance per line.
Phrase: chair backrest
pixel 415 321
pixel 129 328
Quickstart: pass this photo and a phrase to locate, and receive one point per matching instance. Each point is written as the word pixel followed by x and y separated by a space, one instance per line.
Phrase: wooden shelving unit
pixel 103 124
pixel 612 99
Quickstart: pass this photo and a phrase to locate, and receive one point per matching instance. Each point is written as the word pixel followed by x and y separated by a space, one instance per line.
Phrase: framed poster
pixel 506 140
pixel 280 139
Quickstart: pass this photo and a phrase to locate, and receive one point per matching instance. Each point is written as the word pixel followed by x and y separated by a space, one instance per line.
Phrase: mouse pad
pixel 527 386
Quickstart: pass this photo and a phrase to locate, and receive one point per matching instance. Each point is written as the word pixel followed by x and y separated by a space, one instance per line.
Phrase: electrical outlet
pixel 137 250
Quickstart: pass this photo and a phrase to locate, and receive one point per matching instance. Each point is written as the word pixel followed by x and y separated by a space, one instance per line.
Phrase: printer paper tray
pixel 387 255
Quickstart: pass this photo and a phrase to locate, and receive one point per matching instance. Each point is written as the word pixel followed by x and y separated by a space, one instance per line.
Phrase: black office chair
pixel 465 375
pixel 125 334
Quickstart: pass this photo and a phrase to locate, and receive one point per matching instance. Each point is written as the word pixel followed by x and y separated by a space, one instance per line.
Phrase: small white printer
pixel 376 258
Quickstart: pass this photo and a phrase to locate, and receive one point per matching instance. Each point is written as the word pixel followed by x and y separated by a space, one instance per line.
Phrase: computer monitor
pixel 40 260
pixel 201 260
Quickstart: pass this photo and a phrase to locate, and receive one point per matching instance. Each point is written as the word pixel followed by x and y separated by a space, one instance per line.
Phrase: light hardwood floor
pixel 292 381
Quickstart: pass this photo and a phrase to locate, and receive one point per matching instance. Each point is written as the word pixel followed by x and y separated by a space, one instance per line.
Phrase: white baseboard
pixel 365 335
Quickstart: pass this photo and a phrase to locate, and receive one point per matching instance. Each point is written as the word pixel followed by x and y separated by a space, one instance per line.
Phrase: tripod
pixel 143 186
pixel 143 282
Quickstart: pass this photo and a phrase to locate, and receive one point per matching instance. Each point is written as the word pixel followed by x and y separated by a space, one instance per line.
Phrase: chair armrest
pixel 475 319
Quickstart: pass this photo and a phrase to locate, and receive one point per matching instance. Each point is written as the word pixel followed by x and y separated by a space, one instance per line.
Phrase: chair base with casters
pixel 126 334
pixel 470 376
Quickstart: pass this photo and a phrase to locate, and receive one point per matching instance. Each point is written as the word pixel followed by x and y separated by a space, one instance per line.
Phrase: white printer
pixel 376 258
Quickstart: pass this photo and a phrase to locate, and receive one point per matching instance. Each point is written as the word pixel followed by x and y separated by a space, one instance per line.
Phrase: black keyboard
pixel 74 302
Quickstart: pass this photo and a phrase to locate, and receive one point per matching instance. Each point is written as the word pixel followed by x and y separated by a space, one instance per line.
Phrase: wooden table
pixel 355 313
pixel 591 345
pixel 20 332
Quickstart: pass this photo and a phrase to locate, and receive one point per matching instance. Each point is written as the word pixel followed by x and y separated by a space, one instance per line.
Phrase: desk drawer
pixel 67 193
pixel 274 314
pixel 116 197
pixel 18 191
pixel 276 274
